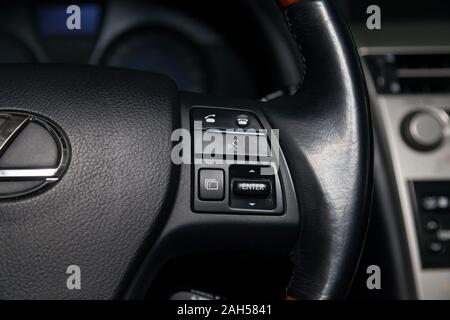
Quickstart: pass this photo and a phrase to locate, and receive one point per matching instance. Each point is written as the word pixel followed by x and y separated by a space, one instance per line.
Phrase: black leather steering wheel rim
pixel 123 208
pixel 331 117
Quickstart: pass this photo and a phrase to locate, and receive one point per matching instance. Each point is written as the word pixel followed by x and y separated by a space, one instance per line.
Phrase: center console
pixel 410 95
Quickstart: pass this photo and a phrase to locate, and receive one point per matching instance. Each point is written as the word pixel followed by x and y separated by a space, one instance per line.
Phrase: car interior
pixel 351 121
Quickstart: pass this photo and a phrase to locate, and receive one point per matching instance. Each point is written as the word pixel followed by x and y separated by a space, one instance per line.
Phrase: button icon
pixel 234 146
pixel 210 118
pixel 211 184
pixel 242 121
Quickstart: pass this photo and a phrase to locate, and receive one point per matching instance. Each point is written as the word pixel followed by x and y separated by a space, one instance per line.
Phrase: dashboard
pixel 198 48
pixel 225 49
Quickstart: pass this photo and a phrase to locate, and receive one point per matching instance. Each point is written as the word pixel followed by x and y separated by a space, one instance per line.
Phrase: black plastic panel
pixel 243 154
pixel 432 213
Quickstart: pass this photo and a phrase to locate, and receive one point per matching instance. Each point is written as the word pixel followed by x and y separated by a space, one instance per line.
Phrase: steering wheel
pixel 88 181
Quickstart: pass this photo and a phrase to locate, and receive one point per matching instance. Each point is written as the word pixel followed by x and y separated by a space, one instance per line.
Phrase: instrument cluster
pixel 146 36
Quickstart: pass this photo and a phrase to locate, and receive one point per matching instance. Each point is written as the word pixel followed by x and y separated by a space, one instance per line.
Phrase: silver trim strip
pixel 28 173
pixel 366 51
pixel 234 133
pixel 423 73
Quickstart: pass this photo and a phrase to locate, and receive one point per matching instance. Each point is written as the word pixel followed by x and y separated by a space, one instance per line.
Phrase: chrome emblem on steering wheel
pixel 34 154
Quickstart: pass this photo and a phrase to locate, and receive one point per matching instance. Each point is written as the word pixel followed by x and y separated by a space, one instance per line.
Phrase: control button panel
pixel 215 118
pixel 234 169
pixel 250 189
pixel 220 133
pixel 237 189
pixel 219 143
pixel 432 213
pixel 436 203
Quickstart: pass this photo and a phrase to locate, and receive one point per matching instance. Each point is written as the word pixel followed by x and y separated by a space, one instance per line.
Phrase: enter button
pixel 251 188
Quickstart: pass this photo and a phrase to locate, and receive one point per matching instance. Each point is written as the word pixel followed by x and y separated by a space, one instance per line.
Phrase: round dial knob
pixel 423 130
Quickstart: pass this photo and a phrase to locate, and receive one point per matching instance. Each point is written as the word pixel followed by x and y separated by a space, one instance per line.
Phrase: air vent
pixel 410 73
